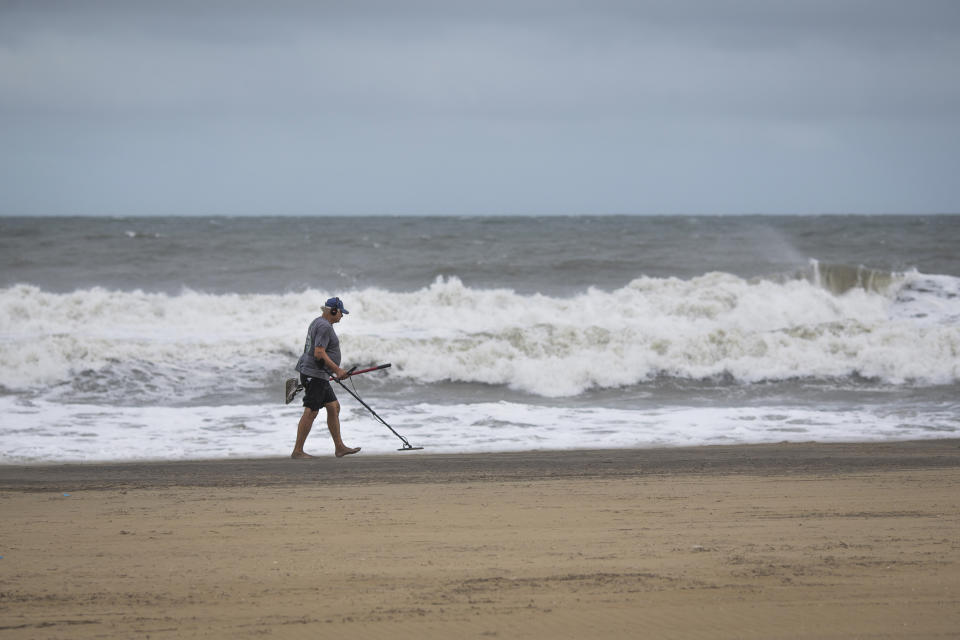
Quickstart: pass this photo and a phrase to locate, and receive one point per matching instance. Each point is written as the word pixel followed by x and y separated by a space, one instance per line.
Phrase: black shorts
pixel 317 392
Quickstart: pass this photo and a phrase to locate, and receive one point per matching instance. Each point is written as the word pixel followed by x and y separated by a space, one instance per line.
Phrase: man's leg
pixel 303 430
pixel 333 424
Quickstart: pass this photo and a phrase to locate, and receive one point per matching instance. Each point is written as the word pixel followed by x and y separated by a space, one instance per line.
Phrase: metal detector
pixel 293 387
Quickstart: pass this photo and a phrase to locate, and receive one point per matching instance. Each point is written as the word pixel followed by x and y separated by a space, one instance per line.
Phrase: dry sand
pixel 777 541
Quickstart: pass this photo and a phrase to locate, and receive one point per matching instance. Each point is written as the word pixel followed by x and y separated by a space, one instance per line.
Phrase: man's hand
pixel 320 353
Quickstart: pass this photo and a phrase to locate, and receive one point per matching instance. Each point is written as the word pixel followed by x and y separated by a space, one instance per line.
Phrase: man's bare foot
pixel 346 451
pixel 300 455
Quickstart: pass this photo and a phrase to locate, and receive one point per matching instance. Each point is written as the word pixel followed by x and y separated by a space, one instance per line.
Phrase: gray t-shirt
pixel 320 334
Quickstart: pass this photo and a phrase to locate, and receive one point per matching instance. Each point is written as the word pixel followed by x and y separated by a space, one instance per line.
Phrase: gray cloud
pixel 553 106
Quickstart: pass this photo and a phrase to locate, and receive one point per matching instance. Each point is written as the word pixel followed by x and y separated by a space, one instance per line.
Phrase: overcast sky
pixel 483 107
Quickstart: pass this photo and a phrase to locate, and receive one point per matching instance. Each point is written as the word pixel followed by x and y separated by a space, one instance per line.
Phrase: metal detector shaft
pixel 406 445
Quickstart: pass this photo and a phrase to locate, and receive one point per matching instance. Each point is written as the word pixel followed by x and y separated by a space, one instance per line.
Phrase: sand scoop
pixel 293 387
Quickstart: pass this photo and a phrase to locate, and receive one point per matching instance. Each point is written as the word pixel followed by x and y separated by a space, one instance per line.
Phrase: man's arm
pixel 321 354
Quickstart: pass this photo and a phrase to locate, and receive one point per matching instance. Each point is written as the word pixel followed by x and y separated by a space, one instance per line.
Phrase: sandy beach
pixel 768 541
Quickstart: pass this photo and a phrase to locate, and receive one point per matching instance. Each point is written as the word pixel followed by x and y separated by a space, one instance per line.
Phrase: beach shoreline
pixel 856 540
pixel 424 467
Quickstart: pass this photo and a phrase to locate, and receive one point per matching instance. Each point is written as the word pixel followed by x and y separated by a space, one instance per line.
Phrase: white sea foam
pixel 108 375
pixel 38 431
pixel 165 348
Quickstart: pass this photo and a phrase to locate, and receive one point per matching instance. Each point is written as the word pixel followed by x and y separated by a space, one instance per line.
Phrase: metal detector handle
pixel 376 368
pixel 354 372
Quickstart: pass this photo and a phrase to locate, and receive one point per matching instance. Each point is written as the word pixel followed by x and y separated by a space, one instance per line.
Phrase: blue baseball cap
pixel 335 303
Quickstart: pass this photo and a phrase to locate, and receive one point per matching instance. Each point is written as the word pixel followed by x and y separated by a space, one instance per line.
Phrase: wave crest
pixel 902 329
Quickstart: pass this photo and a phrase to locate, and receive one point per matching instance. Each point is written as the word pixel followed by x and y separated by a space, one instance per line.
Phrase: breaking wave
pixel 833 322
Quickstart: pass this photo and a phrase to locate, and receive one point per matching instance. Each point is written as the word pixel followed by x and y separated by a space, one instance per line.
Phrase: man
pixel 320 360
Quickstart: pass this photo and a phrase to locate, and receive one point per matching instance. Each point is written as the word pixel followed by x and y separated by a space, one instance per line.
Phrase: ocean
pixel 170 338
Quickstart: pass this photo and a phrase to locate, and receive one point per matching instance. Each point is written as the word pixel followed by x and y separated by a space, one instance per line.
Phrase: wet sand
pixel 768 541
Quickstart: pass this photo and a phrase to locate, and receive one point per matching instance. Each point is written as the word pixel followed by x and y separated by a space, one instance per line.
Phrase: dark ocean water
pixel 556 256
pixel 504 333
